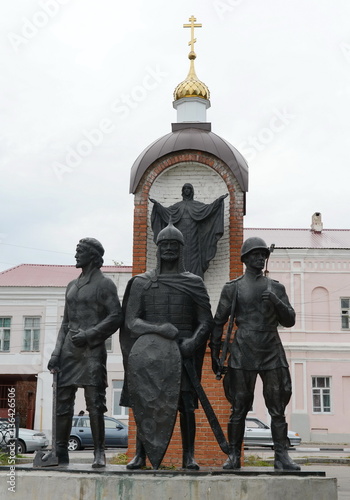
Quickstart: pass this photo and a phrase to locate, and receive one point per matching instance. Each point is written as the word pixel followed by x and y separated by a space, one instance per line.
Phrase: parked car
pixel 259 434
pixel 29 440
pixel 116 433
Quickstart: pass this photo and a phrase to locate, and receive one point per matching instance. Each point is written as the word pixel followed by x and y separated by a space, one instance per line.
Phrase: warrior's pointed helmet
pixel 170 232
pixel 254 243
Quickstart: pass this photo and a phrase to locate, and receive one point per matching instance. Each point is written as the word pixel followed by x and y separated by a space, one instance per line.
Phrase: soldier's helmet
pixel 254 243
pixel 170 232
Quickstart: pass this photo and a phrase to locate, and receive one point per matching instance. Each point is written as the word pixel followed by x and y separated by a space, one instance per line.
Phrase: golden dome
pixel 191 86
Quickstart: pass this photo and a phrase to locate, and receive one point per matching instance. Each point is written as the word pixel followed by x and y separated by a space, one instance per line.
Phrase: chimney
pixel 316 223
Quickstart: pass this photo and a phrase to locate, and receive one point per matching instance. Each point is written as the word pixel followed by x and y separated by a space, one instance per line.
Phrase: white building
pixel 314 266
pixel 31 311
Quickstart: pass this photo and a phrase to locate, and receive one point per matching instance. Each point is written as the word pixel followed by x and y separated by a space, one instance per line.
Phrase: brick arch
pixel 141 205
pixel 207 450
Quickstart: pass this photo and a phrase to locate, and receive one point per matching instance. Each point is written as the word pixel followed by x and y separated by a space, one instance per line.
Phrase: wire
pixel 37 249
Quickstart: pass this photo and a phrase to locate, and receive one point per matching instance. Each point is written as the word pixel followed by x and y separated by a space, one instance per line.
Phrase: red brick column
pixel 207 451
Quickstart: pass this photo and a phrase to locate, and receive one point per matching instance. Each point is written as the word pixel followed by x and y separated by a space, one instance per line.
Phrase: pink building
pixel 314 266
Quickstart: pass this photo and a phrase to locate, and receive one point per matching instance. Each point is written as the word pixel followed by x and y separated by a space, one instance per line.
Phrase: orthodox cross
pixel 192 20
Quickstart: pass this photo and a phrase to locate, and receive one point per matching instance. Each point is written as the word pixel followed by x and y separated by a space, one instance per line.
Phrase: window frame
pixel 5 330
pixel 116 393
pixel 34 330
pixel 321 391
pixel 109 341
pixel 345 313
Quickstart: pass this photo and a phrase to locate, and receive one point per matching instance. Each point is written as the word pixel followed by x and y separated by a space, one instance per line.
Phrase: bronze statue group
pixel 165 325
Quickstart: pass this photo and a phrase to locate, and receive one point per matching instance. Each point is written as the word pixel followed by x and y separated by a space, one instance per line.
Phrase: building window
pixel 5 328
pixel 4 400
pixel 321 394
pixel 108 344
pixel 345 313
pixel 118 411
pixel 31 334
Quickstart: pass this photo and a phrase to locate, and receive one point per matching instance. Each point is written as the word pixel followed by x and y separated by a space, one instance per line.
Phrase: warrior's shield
pixel 154 379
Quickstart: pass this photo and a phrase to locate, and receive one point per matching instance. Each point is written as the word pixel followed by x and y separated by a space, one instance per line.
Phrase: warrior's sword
pixel 208 409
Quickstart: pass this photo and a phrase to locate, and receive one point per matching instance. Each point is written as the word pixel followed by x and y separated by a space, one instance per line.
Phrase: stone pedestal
pixel 80 482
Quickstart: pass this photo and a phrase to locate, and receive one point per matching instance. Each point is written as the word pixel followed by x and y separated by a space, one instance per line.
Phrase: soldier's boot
pixel 63 428
pixel 139 459
pixel 283 461
pixel 97 424
pixel 188 434
pixel 235 434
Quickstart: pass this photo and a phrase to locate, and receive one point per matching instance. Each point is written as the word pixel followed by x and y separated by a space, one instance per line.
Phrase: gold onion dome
pixel 191 86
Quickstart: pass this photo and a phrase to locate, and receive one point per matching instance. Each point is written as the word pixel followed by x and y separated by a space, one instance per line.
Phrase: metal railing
pixel 9 434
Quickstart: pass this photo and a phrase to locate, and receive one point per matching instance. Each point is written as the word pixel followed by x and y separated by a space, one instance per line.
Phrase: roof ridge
pixel 10 269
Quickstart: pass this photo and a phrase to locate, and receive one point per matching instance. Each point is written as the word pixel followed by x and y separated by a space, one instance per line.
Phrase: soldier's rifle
pixel 222 368
pixel 272 247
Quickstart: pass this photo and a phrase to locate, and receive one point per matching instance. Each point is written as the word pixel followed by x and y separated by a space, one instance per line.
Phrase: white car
pixel 29 440
pixel 259 434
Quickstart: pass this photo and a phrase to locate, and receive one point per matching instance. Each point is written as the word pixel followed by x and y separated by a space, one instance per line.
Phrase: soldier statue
pixel 165 303
pixel 92 314
pixel 258 305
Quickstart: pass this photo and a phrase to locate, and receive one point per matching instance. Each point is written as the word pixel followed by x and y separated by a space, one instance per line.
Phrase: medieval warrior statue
pixel 258 305
pixel 167 324
pixel 92 313
pixel 201 225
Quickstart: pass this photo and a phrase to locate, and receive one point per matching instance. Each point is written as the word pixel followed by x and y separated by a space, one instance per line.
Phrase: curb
pixel 311 460
pixel 343 450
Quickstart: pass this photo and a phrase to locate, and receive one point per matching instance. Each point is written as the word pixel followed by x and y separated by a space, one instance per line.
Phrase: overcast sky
pixel 87 85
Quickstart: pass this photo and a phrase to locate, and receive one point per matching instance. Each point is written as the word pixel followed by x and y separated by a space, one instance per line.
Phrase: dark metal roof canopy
pixel 191 136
